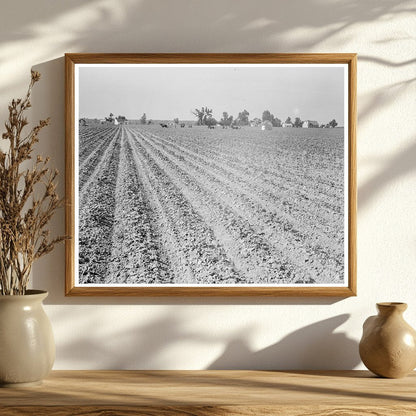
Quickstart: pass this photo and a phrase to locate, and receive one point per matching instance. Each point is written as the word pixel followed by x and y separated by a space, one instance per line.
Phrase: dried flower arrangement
pixel 28 200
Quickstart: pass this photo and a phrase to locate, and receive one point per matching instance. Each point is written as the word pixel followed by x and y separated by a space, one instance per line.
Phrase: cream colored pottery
pixel 388 344
pixel 27 347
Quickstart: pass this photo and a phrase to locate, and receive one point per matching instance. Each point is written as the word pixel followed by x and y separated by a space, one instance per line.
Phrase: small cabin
pixel 287 124
pixel 307 124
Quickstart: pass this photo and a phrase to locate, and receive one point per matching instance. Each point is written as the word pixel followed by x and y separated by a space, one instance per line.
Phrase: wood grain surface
pixel 202 393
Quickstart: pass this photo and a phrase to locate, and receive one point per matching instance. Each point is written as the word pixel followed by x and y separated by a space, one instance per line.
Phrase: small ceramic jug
pixel 27 348
pixel 388 344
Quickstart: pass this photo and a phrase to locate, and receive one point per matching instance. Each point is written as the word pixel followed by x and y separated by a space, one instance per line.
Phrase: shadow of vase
pixel 314 347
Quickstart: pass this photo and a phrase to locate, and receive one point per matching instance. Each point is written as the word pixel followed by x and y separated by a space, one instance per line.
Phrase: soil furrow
pixel 255 161
pixel 292 213
pixel 265 262
pixel 90 161
pixel 198 206
pixel 260 184
pixel 196 255
pixel 96 216
pixel 137 256
pixel 306 251
pixel 88 137
pixel 93 171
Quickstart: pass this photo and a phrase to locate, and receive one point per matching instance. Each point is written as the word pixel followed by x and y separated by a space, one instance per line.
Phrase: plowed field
pixel 200 206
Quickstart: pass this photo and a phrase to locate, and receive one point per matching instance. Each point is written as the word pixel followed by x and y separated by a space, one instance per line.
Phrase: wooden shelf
pixel 202 393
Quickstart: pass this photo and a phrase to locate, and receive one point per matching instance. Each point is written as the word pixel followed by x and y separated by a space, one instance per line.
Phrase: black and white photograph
pixel 211 175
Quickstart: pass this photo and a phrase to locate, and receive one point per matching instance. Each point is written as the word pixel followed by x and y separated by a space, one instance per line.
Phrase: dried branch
pixel 23 218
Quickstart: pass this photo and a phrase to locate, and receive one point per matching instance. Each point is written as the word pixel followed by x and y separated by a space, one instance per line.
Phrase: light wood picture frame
pixel 210 174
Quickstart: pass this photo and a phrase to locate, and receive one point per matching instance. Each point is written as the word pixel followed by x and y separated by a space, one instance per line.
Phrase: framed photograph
pixel 211 174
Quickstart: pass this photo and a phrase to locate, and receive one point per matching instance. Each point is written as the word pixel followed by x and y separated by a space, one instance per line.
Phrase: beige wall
pixel 196 333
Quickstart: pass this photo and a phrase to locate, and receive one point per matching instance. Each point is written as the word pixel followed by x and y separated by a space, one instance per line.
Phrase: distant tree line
pixel 205 118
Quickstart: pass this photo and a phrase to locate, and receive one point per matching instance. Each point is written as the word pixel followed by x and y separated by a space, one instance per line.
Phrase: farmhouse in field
pixel 307 124
pixel 287 124
pixel 266 125
pixel 120 120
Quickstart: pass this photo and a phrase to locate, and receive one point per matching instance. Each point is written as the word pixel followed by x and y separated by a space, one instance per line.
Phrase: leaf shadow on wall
pixel 402 163
pixel 117 348
pixel 152 23
pixel 314 346
pixel 396 167
pixel 133 26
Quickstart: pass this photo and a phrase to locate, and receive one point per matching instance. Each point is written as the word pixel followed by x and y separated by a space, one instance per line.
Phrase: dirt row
pixel 91 137
pixel 318 160
pixel 194 252
pixel 307 242
pixel 256 182
pixel 87 164
pixel 159 208
pixel 137 255
pixel 255 227
pixel 96 215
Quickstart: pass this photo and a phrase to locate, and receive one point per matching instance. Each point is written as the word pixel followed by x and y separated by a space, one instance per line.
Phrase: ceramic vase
pixel 27 347
pixel 388 345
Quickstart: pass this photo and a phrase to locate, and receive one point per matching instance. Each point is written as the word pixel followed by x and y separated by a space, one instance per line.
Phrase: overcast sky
pixel 163 93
